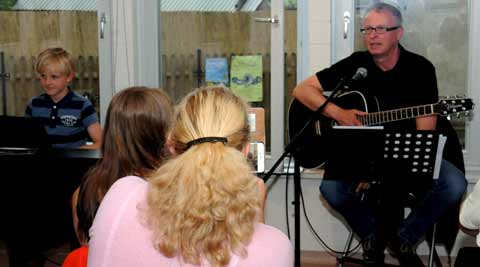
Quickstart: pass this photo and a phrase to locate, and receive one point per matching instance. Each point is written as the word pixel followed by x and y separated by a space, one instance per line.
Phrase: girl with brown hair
pixel 137 124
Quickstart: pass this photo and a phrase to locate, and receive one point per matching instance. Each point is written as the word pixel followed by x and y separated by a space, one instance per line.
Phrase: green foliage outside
pixel 290 4
pixel 7 4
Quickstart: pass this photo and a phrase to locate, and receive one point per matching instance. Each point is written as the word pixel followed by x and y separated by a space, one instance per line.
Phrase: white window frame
pixel 472 153
pixel 130 42
pixel 105 44
pixel 277 94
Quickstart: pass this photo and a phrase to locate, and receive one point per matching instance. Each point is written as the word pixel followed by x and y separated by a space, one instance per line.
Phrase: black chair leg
pixel 432 247
pixel 433 256
pixel 343 258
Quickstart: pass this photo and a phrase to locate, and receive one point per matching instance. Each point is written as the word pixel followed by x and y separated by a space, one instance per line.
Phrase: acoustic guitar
pixel 308 151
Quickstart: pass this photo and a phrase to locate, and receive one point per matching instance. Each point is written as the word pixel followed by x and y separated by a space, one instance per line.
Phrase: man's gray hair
pixel 381 6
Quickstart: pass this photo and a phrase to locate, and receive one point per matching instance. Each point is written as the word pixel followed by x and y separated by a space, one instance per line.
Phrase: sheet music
pixel 438 158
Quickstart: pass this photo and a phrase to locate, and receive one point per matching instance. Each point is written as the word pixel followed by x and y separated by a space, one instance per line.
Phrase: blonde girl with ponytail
pixel 204 206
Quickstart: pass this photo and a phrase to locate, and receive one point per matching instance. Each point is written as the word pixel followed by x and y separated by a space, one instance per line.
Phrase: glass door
pixel 239 44
pixel 28 27
pixel 440 31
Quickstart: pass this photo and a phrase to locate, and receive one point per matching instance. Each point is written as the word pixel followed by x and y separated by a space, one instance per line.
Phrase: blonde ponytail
pixel 203 204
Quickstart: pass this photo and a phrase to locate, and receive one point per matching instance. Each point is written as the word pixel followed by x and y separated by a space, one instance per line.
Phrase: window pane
pixel 438 30
pixel 193 33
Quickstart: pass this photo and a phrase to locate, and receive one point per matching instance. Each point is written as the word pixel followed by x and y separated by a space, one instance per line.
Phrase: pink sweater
pixel 119 237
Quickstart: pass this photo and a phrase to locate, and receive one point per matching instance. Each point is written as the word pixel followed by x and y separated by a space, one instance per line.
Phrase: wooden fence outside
pixel 223 32
pixel 181 73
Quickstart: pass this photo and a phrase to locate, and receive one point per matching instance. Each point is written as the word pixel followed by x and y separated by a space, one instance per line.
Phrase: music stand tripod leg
pixel 341 259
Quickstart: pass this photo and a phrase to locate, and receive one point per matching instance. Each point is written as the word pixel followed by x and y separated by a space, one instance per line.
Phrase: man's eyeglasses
pixel 378 29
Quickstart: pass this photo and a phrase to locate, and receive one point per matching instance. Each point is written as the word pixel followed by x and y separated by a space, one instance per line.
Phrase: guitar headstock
pixel 454 105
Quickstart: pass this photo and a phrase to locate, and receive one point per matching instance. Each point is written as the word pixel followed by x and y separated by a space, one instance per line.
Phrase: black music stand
pixel 359 152
pixel 352 151
pixel 388 159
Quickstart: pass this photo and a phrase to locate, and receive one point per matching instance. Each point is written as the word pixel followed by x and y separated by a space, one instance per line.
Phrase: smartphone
pixel 256 156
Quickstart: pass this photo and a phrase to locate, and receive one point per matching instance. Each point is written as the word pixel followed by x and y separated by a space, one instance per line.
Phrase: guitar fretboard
pixel 380 117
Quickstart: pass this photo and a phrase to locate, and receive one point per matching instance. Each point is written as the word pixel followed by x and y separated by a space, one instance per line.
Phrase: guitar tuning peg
pixel 449 117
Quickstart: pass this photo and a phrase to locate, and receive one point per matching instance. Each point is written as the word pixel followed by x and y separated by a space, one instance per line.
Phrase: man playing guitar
pixel 397 78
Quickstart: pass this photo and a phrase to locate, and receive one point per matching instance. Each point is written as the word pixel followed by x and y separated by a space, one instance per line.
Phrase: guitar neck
pixel 381 117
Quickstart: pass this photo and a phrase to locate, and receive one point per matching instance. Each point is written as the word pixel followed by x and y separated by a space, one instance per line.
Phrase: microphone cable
pixel 287 176
pixel 329 249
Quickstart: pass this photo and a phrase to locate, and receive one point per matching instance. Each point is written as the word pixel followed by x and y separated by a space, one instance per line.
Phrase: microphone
pixel 361 73
pixel 344 84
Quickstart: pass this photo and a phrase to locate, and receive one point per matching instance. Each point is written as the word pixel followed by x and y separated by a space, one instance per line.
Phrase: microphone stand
pixel 292 149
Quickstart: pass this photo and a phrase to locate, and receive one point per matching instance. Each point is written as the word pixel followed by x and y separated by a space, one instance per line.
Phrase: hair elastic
pixel 211 139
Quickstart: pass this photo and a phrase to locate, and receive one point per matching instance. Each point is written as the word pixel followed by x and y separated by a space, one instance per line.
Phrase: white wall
pixel 314 36
pixel 319 35
pixel 328 226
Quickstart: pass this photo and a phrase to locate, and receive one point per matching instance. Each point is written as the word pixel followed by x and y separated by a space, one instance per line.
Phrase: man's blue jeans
pixel 445 193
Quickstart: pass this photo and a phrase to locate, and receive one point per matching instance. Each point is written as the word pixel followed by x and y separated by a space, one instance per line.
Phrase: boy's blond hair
pixel 57 58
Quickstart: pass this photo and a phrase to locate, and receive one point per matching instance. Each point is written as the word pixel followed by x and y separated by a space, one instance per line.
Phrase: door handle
pixel 103 21
pixel 273 20
pixel 346 24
